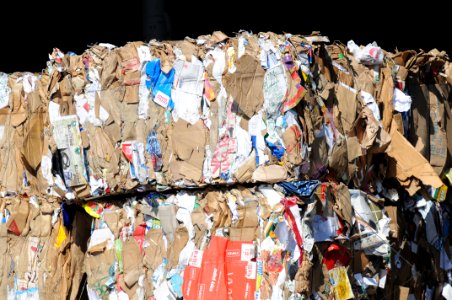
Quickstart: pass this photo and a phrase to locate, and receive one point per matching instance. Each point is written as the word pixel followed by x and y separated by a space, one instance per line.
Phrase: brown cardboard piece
pixel 420 128
pixel 34 101
pixel 354 149
pixel 394 215
pixel 270 174
pixel 198 219
pixel 112 219
pixel 188 49
pixel 131 95
pixel 48 267
pixel 97 267
pixel 18 112
pixel 438 138
pixel 245 227
pixel 17 222
pixel 110 100
pixel 347 104
pixel 79 240
pixel 131 278
pixel 3 263
pixel 133 266
pixel 386 96
pixel 246 85
pixel 320 276
pixel 174 250
pixel 410 162
pixel 343 74
pixel 218 36
pixel 188 142
pixel 129 71
pixel 244 173
pixel 403 292
pixel 41 223
pixel 25 258
pixel 343 205
pixel 102 154
pixel 365 78
pixel 214 203
pixel 338 159
pixel 156 252
pixel 303 277
pixel 292 138
pixel 33 146
pixel 375 138
pixel 108 75
pixel 98 248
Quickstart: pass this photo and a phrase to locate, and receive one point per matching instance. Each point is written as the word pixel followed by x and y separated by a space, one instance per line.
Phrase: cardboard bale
pixel 261 166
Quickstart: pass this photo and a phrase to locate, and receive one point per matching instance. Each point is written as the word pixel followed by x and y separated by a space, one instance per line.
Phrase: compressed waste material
pixel 249 167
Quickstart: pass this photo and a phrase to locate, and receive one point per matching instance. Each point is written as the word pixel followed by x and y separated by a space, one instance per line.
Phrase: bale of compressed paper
pixel 321 170
pixel 208 111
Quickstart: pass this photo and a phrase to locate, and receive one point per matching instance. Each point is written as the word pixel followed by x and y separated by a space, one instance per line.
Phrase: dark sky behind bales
pixel 28 35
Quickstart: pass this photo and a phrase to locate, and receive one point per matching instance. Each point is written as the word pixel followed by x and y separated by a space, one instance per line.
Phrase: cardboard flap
pixel 218 36
pixel 156 252
pixel 188 143
pixel 18 220
pixel 292 139
pixel 245 172
pixel 347 104
pixel 411 162
pixel 386 96
pixel 270 174
pixel 33 145
pixel 188 49
pixel 246 85
pixel 109 65
pixel 343 204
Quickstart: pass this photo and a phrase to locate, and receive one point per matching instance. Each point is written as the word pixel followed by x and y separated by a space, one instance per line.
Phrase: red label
pixel 127 150
pixel 161 99
pixel 13 228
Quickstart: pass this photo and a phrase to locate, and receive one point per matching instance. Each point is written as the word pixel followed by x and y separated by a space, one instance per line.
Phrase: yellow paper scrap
pixel 341 284
pixel 61 236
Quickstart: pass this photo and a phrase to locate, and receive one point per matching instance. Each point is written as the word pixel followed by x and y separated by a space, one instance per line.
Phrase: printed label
pixel 251 270
pixel 161 99
pixel 247 252
pixel 196 258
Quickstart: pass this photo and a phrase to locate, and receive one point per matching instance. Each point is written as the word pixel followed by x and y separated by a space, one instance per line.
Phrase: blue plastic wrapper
pixel 159 81
pixel 276 150
pixel 303 189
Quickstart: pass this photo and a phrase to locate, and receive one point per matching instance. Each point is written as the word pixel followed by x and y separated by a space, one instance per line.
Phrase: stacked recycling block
pixel 250 167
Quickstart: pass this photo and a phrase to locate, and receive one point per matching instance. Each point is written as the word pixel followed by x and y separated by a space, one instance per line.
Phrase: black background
pixel 29 31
